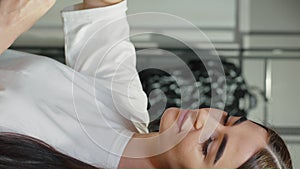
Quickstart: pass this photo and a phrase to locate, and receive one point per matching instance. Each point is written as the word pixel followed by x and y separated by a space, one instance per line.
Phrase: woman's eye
pixel 206 146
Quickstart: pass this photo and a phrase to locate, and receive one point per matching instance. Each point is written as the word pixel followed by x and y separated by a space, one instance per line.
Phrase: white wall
pixel 275 15
pixel 202 13
pixel 271 16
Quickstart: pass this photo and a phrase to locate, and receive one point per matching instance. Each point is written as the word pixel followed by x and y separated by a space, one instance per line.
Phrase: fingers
pixel 18 5
pixel 87 4
pixel 22 14
pixel 17 16
pixel 112 1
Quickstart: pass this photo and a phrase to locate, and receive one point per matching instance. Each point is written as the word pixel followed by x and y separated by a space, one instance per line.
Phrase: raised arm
pixel 98 46
pixel 17 16
pixel 91 30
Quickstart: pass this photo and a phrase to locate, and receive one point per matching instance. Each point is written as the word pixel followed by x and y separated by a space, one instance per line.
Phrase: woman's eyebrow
pixel 221 148
pixel 224 141
pixel 239 121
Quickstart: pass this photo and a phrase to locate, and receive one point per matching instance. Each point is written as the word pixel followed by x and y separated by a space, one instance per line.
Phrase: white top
pixel 88 109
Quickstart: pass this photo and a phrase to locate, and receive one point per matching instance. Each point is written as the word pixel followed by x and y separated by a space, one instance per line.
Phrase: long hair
pixel 274 156
pixel 24 152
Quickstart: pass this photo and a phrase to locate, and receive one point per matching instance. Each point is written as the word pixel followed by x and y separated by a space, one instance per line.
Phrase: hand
pixel 17 16
pixel 99 3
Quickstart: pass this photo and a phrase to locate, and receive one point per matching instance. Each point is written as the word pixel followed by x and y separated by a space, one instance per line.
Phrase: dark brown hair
pixel 24 152
pixel 274 155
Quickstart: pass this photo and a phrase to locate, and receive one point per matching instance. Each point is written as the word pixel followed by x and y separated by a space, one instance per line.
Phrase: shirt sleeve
pixel 97 45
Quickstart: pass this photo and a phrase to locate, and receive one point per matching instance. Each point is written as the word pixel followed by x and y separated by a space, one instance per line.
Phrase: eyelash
pixel 205 146
pixel 210 140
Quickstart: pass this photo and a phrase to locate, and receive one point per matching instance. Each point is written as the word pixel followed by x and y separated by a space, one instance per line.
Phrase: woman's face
pixel 232 143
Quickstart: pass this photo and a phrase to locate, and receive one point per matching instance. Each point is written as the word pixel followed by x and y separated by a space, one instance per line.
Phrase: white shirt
pixel 88 109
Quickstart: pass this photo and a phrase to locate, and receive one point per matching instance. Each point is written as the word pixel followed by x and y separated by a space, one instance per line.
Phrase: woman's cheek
pixel 168 119
pixel 188 154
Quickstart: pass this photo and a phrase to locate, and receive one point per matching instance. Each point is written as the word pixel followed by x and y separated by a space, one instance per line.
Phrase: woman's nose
pixel 208 120
pixel 201 118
